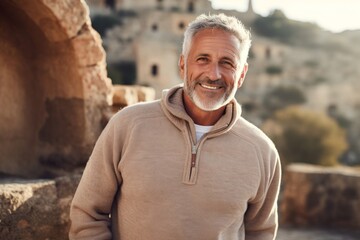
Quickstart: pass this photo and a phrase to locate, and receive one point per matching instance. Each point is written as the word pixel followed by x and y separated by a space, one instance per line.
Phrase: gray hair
pixel 222 22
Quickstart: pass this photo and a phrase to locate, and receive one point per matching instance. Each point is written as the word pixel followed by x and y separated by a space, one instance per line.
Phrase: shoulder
pixel 122 123
pixel 252 133
pixel 130 115
pixel 260 142
pixel 139 111
pixel 266 152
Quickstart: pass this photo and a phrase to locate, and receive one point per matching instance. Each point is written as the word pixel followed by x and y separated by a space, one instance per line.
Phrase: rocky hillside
pixel 304 63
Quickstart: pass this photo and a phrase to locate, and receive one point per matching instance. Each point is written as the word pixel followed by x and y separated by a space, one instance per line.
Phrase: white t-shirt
pixel 201 130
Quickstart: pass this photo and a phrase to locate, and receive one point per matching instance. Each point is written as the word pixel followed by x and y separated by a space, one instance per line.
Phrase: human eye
pixel 227 63
pixel 202 59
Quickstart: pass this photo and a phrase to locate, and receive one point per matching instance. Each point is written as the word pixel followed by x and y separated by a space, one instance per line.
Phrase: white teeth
pixel 209 87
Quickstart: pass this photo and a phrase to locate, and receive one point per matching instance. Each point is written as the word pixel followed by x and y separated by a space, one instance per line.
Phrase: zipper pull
pixel 193 156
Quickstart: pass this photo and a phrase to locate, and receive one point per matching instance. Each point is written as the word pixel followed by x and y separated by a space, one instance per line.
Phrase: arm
pixel 91 206
pixel 261 218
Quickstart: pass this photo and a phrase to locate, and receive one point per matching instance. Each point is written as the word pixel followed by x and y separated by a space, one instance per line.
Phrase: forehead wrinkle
pixel 206 38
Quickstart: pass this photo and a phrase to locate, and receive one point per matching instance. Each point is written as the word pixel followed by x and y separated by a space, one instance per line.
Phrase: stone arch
pixel 53 87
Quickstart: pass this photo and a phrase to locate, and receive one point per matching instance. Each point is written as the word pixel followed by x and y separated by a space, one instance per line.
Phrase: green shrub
pixel 122 73
pixel 311 63
pixel 274 70
pixel 306 136
pixel 126 13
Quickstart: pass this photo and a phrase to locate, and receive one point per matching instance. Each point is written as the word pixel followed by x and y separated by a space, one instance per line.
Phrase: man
pixel 187 166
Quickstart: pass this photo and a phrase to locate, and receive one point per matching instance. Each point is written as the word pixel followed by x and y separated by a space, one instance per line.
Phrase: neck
pixel 199 116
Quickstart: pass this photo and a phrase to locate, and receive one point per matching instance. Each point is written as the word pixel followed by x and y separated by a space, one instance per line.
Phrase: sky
pixel 332 15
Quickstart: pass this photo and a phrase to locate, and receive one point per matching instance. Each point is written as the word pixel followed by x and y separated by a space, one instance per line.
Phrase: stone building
pixel 150 37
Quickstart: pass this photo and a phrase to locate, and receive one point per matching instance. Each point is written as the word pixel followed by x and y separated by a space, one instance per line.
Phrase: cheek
pixel 231 79
pixel 193 73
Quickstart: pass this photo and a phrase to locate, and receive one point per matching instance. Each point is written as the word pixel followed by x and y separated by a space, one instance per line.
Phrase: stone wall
pixel 36 210
pixel 39 209
pixel 312 197
pixel 321 197
pixel 55 99
pixel 54 88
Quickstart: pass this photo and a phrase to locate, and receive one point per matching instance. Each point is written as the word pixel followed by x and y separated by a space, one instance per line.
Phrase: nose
pixel 214 72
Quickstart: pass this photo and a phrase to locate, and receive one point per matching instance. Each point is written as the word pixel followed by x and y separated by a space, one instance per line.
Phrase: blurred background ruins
pixel 68 66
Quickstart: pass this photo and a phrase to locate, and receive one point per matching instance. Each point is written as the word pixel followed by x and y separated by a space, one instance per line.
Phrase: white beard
pixel 206 104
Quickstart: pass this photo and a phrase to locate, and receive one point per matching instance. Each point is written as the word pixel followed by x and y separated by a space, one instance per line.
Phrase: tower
pixel 250 7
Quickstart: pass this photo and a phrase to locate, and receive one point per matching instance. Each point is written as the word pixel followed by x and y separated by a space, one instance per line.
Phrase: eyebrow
pixel 222 58
pixel 203 55
pixel 229 59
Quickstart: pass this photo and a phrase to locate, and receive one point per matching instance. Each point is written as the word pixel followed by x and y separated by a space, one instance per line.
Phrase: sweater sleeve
pixel 261 218
pixel 91 206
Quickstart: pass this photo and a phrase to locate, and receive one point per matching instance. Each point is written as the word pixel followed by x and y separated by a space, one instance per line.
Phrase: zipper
pixel 191 179
pixel 193 160
pixel 190 166
pixel 193 155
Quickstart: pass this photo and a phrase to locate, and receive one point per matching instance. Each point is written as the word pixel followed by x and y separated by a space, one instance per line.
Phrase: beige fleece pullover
pixel 148 178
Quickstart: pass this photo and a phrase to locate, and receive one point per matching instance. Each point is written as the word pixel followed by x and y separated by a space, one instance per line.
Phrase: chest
pixel 227 176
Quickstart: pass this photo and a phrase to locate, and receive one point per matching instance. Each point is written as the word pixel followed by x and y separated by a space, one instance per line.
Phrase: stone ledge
pixel 307 168
pixel 36 209
pixel 321 197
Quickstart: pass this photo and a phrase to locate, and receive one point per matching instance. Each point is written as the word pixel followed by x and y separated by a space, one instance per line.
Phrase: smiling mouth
pixel 210 87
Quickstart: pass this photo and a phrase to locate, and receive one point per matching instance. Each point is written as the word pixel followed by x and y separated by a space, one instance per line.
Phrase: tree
pixel 305 136
pixel 278 26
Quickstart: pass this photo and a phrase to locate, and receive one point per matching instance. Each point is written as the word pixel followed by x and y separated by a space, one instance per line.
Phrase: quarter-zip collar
pixel 173 107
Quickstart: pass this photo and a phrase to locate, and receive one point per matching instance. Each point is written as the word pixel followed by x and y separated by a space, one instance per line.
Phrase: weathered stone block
pixel 124 95
pixel 37 209
pixel 145 93
pixel 128 95
pixel 321 196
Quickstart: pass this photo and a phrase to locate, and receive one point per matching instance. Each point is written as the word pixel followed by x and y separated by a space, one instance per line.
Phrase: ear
pixel 242 75
pixel 182 66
